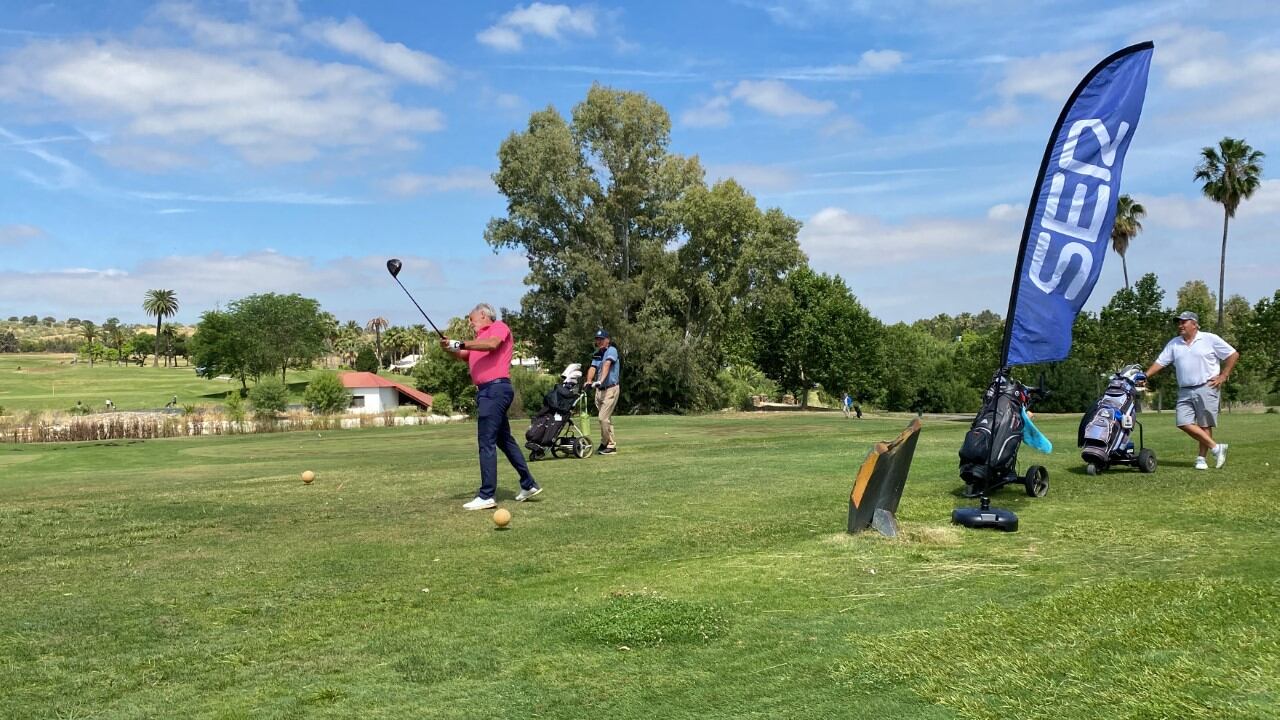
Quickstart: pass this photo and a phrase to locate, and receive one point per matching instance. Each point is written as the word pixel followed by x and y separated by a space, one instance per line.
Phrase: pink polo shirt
pixel 493 364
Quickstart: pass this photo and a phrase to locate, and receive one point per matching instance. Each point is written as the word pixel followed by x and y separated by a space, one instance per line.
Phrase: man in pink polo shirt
pixel 489 357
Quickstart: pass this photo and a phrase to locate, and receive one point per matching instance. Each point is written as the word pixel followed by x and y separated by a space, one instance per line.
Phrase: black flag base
pixel 985 517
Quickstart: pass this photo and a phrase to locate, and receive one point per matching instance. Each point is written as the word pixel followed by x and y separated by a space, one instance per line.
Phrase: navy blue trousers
pixel 493 431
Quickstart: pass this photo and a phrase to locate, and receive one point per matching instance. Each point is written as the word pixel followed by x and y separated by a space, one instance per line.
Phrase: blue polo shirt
pixel 610 353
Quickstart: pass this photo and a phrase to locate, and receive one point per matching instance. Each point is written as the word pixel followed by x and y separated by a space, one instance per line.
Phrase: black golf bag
pixel 1106 430
pixel 557 407
pixel 989 455
pixel 553 429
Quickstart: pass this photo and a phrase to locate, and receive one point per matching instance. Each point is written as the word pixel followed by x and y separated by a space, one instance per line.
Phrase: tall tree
pixel 163 304
pixel 1195 295
pixel 620 233
pixel 376 326
pixel 817 333
pixel 218 349
pixel 1231 173
pixel 280 331
pixel 1128 224
pixel 90 333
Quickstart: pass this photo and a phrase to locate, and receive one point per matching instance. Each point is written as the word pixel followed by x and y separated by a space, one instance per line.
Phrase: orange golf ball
pixel 501 517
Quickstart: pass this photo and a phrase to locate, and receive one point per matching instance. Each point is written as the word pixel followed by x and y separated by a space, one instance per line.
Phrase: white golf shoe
pixel 480 503
pixel 526 494
pixel 1200 465
pixel 1220 452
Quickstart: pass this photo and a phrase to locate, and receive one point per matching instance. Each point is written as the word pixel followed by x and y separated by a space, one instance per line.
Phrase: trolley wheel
pixel 970 490
pixel 1147 461
pixel 1037 481
pixel 535 455
pixel 555 451
pixel 583 448
pixel 1091 469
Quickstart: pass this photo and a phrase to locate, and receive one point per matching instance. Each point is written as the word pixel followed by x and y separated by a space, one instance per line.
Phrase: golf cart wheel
pixel 1037 481
pixel 1147 461
pixel 1091 469
pixel 583 448
pixel 555 451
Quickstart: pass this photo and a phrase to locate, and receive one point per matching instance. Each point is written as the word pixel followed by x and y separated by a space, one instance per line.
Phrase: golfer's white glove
pixel 455 345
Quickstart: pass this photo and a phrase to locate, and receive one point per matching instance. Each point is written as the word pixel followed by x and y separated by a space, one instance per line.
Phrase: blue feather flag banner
pixel 1073 207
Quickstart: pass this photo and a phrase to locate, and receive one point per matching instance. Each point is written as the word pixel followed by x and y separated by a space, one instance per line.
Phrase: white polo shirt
pixel 1197 361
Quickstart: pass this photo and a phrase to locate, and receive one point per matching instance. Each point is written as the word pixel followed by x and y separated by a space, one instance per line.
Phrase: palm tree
pixel 1128 224
pixel 162 304
pixel 170 334
pixel 1230 173
pixel 348 342
pixel 90 333
pixel 376 326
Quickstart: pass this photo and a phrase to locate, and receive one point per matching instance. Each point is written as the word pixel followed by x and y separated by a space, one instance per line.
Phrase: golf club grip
pixel 415 304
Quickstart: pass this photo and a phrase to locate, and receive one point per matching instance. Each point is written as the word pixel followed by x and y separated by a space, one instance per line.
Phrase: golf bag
pixel 552 428
pixel 1105 435
pixel 989 455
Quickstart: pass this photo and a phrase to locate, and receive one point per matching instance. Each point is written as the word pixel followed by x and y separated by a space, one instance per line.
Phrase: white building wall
pixel 375 400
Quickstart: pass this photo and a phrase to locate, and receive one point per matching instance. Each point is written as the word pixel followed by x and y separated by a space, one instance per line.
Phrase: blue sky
pixel 231 147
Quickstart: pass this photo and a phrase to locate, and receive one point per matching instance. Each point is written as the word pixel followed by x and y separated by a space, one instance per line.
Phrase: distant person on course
pixel 489 358
pixel 1202 362
pixel 604 377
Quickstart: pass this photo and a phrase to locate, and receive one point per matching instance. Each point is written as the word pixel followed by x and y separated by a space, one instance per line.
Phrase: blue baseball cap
pixel 602 333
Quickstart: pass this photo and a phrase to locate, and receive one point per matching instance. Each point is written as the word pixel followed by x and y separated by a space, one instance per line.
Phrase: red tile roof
pixel 370 380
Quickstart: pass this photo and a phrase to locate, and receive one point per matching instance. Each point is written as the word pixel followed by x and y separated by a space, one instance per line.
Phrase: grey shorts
pixel 1197 406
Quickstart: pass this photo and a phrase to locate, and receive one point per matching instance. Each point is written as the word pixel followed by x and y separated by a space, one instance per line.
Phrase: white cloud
pixel 756 178
pixel 266 105
pixel 410 184
pixel 554 22
pixel 1214 80
pixel 777 98
pixel 848 242
pixel 881 60
pixel 143 158
pixel 19 234
pixel 1049 77
pixel 212 32
pixel 355 38
pixel 275 12
pixel 350 287
pixel 712 113
pixel 871 62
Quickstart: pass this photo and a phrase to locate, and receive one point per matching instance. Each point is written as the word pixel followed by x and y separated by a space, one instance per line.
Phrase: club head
pixel 393 267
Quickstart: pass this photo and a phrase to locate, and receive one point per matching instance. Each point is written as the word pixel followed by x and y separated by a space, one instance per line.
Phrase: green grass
pixel 49 382
pixel 701 572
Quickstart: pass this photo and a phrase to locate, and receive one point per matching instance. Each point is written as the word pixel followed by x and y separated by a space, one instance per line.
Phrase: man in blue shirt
pixel 603 376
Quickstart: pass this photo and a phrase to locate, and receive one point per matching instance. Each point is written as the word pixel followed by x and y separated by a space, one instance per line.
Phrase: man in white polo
pixel 1202 361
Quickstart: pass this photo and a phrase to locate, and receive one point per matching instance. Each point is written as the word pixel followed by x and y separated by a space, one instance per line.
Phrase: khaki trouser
pixel 606 401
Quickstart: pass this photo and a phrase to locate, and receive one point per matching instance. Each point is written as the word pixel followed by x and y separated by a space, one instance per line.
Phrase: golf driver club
pixel 393 267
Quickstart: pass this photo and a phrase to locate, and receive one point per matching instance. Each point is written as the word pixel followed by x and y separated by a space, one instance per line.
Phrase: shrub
pixel 268 398
pixel 739 383
pixel 325 394
pixel 530 387
pixel 235 407
pixel 366 361
pixel 441 403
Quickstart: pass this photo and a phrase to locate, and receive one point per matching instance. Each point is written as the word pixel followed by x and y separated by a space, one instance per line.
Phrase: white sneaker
pixel 1200 465
pixel 480 503
pixel 526 494
pixel 1220 452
